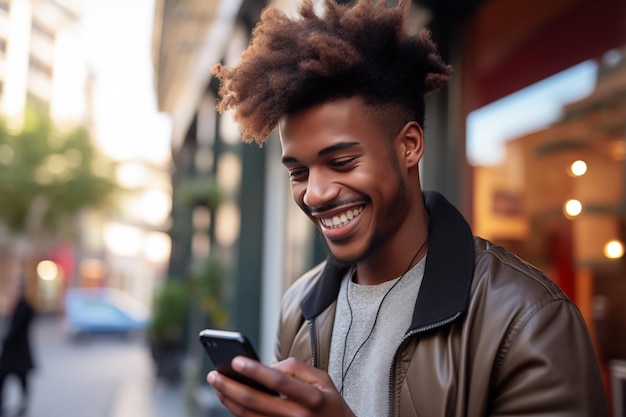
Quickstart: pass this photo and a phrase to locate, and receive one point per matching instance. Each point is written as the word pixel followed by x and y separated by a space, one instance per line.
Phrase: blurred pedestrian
pixel 16 357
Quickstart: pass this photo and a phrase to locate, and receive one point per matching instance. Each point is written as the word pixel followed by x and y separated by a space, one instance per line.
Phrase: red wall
pixel 509 45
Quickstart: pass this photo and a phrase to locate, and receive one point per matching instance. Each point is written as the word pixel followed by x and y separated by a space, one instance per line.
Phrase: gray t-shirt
pixel 359 368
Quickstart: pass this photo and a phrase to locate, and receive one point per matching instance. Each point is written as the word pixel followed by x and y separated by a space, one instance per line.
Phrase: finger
pixel 237 409
pixel 241 399
pixel 305 391
pixel 305 373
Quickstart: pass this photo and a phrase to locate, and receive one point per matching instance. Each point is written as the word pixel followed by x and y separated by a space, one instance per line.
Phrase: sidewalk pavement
pixel 161 399
pixel 104 377
pixel 182 400
pixel 135 399
pixel 168 402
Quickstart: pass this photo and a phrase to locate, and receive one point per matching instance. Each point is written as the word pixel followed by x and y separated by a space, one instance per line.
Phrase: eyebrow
pixel 328 150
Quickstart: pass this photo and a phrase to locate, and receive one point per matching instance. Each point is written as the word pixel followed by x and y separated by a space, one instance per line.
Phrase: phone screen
pixel 222 346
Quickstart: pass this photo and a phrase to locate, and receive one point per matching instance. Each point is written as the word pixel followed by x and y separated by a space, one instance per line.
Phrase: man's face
pixel 345 176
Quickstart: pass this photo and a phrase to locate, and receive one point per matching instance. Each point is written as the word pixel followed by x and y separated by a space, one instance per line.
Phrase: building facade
pixel 39 64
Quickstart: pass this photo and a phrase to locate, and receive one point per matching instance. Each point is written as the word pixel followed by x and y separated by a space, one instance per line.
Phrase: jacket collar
pixel 445 288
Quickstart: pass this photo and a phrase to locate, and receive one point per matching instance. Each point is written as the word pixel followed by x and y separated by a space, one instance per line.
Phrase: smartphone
pixel 222 346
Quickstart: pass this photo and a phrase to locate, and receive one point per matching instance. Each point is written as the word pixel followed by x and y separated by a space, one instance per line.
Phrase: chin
pixel 341 262
pixel 345 258
pixel 337 257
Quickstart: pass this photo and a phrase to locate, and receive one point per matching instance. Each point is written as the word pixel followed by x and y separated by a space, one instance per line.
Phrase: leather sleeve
pixel 548 366
pixel 291 322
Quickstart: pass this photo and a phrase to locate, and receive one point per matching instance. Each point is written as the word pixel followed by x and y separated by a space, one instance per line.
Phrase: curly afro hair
pixel 361 51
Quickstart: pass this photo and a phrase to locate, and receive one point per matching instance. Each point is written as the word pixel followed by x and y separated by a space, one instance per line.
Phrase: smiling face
pixel 350 178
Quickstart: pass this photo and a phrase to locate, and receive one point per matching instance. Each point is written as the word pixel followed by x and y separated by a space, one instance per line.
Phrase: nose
pixel 320 189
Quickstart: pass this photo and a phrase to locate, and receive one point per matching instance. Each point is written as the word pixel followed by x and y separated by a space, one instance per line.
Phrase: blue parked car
pixel 90 311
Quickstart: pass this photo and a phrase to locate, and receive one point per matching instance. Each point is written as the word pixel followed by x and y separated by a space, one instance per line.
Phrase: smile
pixel 342 219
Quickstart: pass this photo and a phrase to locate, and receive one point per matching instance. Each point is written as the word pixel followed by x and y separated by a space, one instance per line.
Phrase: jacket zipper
pixel 392 371
pixel 313 339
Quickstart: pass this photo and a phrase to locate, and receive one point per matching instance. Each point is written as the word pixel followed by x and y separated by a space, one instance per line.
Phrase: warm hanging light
pixel 572 208
pixel 578 168
pixel 614 249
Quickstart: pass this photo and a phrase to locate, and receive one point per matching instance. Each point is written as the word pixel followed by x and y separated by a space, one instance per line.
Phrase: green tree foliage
pixel 47 176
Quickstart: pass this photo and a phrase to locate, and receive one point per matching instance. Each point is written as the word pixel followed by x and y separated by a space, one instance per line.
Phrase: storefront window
pixel 548 164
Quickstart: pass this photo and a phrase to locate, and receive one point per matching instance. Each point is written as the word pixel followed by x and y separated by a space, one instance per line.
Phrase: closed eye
pixel 297 174
pixel 343 162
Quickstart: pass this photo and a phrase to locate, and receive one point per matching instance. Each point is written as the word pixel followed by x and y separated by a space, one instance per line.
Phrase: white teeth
pixel 341 220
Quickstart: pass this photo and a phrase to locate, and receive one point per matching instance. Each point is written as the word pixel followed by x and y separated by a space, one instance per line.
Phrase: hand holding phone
pixel 222 346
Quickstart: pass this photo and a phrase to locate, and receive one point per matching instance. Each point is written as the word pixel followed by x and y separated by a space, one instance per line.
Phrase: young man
pixel 410 315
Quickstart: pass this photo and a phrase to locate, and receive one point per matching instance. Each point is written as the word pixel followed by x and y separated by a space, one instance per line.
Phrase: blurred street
pixel 98 377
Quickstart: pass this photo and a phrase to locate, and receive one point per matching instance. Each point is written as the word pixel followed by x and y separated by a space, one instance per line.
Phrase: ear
pixel 410 142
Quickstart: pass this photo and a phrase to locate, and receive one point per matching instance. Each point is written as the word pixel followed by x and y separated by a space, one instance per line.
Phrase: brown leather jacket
pixel 491 335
